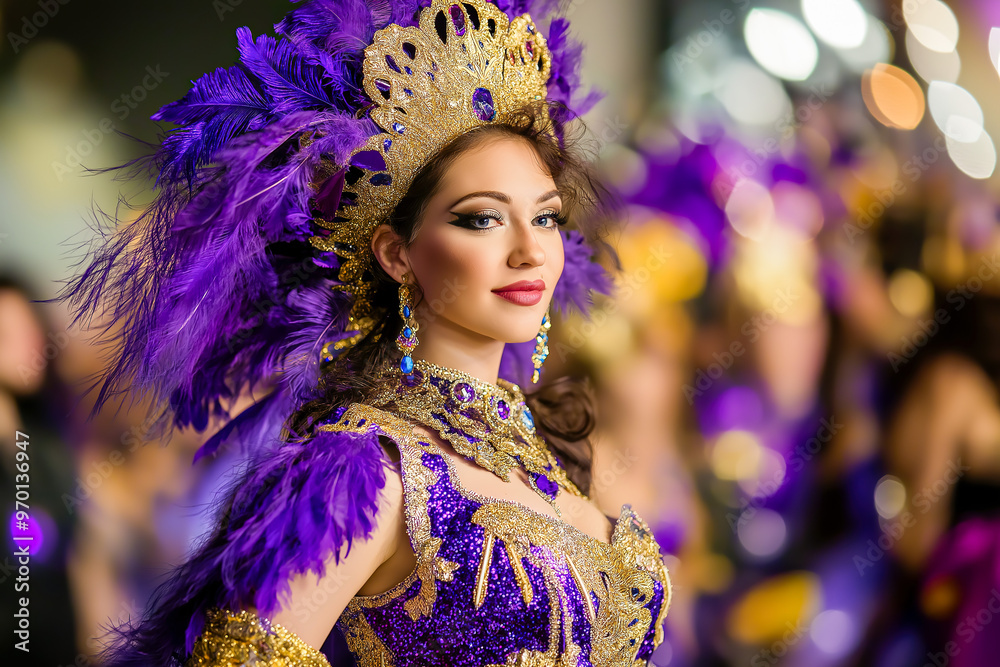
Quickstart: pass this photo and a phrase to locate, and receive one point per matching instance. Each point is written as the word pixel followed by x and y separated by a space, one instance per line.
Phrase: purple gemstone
pixel 413 379
pixel 381 179
pixel 546 486
pixel 464 392
pixel 503 409
pixel 482 104
pixel 527 45
pixel 370 160
pixel 458 17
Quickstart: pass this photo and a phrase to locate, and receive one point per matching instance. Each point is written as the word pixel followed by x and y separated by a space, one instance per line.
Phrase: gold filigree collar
pixel 490 424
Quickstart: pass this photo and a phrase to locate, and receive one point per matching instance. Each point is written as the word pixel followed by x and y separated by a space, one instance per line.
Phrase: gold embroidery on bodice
pixel 614 582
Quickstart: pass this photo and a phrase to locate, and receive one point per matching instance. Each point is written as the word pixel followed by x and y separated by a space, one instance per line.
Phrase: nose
pixel 525 250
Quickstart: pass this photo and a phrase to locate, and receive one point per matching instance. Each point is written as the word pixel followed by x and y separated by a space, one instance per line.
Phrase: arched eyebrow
pixel 551 194
pixel 502 196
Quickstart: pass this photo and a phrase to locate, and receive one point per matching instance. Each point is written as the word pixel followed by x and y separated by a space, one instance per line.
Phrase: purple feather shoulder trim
pixel 292 508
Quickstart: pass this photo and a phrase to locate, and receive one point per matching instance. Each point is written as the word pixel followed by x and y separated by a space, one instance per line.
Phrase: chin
pixel 510 324
pixel 516 332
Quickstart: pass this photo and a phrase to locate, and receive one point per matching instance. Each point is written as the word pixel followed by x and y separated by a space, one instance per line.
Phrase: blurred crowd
pixel 797 376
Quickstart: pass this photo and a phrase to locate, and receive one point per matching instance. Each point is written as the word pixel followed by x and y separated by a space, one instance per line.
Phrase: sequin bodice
pixel 497 583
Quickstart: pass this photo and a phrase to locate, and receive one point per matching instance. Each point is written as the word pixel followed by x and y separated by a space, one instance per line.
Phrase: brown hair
pixel 563 409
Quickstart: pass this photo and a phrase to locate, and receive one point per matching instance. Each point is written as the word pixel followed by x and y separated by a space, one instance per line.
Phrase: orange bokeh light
pixel 893 96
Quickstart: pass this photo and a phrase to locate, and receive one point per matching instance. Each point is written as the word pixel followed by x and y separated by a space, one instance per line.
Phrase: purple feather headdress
pixel 214 290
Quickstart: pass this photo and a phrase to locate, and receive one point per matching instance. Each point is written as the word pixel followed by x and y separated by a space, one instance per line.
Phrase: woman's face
pixel 488 251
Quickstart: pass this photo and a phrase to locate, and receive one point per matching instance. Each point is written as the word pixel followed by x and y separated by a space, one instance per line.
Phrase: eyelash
pixel 466 219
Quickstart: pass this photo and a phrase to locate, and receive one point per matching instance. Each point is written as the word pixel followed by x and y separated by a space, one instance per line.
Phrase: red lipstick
pixel 523 292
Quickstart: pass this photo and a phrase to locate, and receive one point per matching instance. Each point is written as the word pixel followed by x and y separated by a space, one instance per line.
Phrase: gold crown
pixel 465 66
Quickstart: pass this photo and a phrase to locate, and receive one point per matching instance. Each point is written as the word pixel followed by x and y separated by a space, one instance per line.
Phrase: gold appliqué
pixel 244 638
pixel 430 570
pixel 501 444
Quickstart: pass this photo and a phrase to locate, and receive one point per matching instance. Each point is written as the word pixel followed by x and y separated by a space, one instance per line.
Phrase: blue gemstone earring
pixel 407 339
pixel 541 347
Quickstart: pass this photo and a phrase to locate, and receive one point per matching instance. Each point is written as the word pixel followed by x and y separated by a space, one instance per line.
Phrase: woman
pixel 409 499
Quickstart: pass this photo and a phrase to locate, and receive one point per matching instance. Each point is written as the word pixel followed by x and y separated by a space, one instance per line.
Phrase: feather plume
pixel 289 504
pixel 292 83
pixel 220 106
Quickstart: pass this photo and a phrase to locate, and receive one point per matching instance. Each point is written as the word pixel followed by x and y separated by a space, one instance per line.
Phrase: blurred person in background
pixel 943 443
pixel 34 402
pixel 141 507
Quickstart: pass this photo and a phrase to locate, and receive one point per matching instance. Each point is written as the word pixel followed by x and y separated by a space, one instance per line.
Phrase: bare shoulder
pixel 317 597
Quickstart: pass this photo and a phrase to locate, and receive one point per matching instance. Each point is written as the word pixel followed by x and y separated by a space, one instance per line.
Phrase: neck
pixel 475 355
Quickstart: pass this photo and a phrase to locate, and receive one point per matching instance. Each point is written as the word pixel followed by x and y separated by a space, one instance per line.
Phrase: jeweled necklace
pixel 489 424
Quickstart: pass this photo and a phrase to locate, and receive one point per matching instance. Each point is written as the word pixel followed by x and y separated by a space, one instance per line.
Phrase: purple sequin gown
pixel 497 583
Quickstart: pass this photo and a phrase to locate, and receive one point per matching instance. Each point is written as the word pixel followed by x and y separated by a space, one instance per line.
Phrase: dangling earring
pixel 541 347
pixel 407 339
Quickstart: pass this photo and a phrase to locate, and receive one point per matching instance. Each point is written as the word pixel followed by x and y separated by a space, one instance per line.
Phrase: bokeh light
pixel 624 168
pixel 27 532
pixel 834 632
pixel 840 23
pixel 994 46
pixel 771 470
pixel 955 111
pixel 877 47
pixel 977 159
pixel 736 455
pixel 910 292
pixel 797 208
pixel 770 607
pixel 893 97
pixel 750 209
pixel 932 65
pixel 762 532
pixel 781 44
pixel 933 23
pixel 750 95
pixel 890 497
